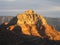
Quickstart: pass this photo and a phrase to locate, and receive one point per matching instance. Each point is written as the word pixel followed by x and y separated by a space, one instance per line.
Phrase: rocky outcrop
pixel 33 24
pixel 37 25
pixel 51 32
pixel 30 17
pixel 30 22
pixel 28 28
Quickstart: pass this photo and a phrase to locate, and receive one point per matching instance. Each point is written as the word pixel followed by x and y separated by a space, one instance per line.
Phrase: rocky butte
pixel 33 24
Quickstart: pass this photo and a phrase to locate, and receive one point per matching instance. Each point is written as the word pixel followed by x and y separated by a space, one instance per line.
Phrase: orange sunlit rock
pixel 5 23
pixel 25 29
pixel 34 31
pixel 34 24
pixel 29 12
pixel 11 27
pixel 37 20
pixel 57 37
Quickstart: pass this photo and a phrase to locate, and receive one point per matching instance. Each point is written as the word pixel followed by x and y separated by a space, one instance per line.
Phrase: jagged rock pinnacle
pixel 29 12
pixel 30 17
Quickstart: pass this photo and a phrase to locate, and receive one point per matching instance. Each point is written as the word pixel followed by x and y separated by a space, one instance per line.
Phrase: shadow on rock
pixel 15 37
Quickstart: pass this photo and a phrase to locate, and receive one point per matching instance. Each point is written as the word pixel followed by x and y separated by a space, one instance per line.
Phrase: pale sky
pixel 48 8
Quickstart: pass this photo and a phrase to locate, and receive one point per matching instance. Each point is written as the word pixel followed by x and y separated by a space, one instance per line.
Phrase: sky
pixel 47 8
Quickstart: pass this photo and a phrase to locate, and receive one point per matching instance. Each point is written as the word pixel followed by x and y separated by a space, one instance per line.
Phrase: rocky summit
pixel 34 24
pixel 31 18
pixel 31 24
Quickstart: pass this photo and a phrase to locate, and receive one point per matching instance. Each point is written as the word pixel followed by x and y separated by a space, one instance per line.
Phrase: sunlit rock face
pixel 33 20
pixel 51 32
pixel 34 24
pixel 30 17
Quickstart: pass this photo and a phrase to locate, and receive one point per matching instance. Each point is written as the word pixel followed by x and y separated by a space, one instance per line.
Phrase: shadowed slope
pixel 8 37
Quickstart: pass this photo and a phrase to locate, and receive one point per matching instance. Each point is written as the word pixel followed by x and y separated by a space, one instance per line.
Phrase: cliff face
pixel 34 24
pixel 30 17
pixel 30 22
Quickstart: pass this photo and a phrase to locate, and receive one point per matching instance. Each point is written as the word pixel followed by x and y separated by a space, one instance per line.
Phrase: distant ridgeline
pixel 5 19
pixel 52 21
